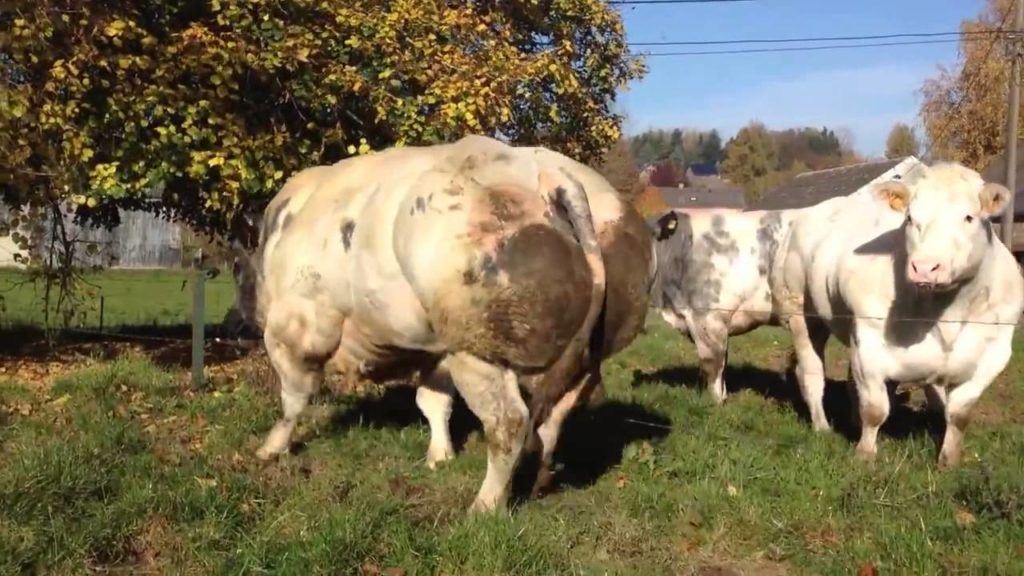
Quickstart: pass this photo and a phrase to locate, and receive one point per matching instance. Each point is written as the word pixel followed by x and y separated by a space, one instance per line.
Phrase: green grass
pixel 120 468
pixel 130 298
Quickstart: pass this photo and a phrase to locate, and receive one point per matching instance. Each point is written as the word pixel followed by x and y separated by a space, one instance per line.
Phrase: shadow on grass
pixel 169 346
pixel 592 440
pixel 904 420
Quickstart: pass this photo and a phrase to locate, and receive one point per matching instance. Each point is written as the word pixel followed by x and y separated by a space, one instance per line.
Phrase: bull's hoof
pixel 864 455
pixel 948 461
pixel 485 506
pixel 821 426
pixel 264 454
pixel 435 458
pixel 543 483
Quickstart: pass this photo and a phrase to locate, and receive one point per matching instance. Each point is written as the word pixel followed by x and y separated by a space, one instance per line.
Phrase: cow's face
pixel 946 228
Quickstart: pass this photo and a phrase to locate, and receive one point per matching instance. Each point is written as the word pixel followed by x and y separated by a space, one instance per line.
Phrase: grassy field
pixel 119 467
pixel 130 297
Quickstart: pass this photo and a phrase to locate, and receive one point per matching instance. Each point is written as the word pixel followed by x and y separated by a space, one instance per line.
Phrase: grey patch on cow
pixel 421 204
pixel 346 233
pixel 580 210
pixel 487 271
pixel 452 189
pixel 559 221
pixel 272 222
pixel 489 268
pixel 719 240
pixel 769 231
pixel 455 206
pixel 469 164
pixel 502 157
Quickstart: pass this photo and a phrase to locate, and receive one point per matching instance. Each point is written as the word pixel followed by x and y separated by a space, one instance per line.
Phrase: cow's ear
pixel 895 194
pixel 667 225
pixel 993 197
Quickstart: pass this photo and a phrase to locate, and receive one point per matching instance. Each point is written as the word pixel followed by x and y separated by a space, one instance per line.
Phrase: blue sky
pixel 865 90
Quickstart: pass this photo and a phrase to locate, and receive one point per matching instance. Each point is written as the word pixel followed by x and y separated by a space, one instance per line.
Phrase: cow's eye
pixel 968 218
pixel 909 219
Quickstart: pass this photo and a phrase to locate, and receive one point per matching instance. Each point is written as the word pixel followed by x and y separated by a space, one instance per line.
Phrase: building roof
pixel 703 169
pixel 809 188
pixel 996 172
pixel 720 196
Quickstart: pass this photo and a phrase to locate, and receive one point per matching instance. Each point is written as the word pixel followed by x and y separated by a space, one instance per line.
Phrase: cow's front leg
pixel 492 393
pixel 809 339
pixel 872 401
pixel 962 398
pixel 299 381
pixel 711 337
pixel 434 397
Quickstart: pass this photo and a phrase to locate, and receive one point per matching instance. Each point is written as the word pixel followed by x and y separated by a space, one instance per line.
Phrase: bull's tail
pixel 567 193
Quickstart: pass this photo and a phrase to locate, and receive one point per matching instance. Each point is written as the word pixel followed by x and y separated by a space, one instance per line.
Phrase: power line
pixel 801 48
pixel 812 39
pixel 970 82
pixel 636 2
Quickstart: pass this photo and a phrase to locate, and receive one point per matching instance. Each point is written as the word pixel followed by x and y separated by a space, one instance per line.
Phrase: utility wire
pixel 813 39
pixel 970 83
pixel 800 48
pixel 638 2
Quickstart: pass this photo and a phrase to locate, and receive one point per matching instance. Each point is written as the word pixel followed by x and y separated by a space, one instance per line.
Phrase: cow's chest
pixel 947 355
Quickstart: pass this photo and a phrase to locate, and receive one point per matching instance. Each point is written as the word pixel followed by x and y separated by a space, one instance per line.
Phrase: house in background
pixel 721 195
pixel 698 174
pixel 996 172
pixel 810 188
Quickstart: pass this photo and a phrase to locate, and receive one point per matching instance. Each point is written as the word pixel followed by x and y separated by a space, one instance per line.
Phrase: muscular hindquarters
pixel 519 307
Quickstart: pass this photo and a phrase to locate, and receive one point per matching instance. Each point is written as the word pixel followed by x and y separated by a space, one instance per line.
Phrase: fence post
pixel 103 302
pixel 198 318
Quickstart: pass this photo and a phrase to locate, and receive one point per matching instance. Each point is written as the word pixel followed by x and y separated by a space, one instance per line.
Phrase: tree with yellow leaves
pixel 209 105
pixel 964 110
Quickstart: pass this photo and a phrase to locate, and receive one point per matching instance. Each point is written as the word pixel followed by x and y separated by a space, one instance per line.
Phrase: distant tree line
pixel 755 159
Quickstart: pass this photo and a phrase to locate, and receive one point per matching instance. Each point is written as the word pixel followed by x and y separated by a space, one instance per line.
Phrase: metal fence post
pixel 198 318
pixel 103 302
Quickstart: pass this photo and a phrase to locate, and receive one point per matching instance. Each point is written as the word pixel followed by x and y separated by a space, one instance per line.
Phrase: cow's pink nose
pixel 924 271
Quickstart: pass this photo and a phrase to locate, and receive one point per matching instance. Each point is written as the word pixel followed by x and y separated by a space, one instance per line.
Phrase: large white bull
pixel 911 277
pixel 474 263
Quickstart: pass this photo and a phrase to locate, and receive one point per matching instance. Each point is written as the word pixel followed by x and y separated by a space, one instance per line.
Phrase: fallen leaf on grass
pixel 964 518
pixel 23 408
pixel 206 482
pixel 867 569
pixel 620 483
pixel 731 490
pixel 60 401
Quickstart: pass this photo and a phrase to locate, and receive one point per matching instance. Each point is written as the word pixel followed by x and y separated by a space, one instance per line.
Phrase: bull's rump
pixel 435 250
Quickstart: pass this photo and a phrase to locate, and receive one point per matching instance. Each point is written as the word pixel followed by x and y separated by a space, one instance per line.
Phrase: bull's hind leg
pixel 434 397
pixel 492 393
pixel 549 431
pixel 298 382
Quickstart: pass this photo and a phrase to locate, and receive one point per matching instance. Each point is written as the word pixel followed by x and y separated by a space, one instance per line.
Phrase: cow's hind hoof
pixel 862 456
pixel 434 460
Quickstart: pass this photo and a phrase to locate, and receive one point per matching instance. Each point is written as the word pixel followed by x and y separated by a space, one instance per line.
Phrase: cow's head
pixel 947 229
pixel 664 227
